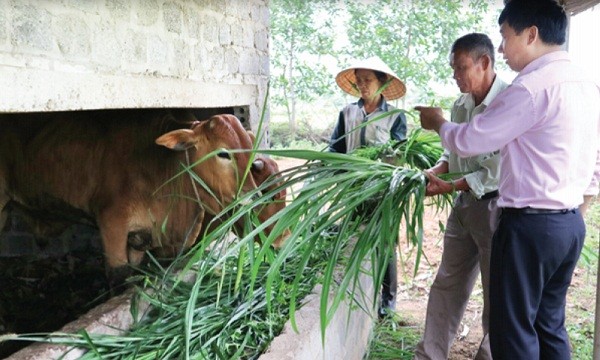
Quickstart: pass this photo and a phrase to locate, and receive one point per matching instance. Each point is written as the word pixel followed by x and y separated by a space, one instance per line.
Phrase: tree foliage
pixel 412 36
pixel 300 38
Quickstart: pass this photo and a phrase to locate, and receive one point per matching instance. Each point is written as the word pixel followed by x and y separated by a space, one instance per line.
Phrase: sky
pixel 583 46
pixel 584 40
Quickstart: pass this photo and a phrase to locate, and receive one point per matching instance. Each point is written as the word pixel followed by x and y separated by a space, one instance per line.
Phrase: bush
pixel 306 137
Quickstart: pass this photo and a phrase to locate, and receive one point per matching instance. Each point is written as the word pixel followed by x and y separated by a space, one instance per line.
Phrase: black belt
pixel 535 211
pixel 490 195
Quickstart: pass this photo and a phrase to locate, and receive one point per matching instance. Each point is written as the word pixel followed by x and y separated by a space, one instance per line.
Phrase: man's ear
pixel 486 62
pixel 532 34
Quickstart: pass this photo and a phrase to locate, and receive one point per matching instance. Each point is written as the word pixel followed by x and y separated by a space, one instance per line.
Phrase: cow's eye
pixel 224 155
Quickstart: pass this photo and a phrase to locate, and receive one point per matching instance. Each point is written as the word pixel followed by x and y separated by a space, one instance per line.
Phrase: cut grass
pixel 242 293
pixel 393 338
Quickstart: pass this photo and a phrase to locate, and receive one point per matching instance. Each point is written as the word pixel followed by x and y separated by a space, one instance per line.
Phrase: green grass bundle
pixel 243 293
pixel 420 150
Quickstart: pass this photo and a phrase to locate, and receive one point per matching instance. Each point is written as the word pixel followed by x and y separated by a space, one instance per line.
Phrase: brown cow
pixel 264 171
pixel 106 166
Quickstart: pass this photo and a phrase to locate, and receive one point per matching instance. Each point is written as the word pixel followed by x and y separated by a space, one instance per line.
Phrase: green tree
pixel 302 36
pixel 413 36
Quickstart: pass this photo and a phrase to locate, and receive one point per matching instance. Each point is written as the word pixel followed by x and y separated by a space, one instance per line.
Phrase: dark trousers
pixel 389 285
pixel 390 282
pixel 532 262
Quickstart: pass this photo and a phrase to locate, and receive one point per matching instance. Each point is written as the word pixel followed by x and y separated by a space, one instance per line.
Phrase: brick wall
pixel 94 54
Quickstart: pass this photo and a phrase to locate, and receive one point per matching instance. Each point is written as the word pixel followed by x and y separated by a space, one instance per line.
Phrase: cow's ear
pixel 178 140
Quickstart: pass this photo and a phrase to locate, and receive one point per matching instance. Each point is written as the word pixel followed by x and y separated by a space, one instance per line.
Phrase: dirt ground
pixel 413 291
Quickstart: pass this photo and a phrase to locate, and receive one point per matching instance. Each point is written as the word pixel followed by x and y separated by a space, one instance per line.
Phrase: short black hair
pixel 547 15
pixel 476 44
pixel 381 76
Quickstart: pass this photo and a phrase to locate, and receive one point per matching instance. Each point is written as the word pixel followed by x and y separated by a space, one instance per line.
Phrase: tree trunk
pixel 292 92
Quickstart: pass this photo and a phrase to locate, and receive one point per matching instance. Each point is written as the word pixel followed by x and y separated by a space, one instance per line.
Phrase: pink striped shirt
pixel 546 125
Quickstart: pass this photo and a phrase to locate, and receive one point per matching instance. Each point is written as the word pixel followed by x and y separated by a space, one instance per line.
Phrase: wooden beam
pixel 575 7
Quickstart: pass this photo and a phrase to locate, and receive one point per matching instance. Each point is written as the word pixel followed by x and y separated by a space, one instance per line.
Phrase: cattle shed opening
pixel 205 57
pixel 52 263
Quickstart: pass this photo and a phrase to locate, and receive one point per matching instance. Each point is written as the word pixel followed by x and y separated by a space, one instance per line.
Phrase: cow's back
pixel 119 169
pixel 85 159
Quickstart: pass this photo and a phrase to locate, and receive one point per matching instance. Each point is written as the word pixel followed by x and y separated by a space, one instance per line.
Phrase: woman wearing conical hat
pixel 374 83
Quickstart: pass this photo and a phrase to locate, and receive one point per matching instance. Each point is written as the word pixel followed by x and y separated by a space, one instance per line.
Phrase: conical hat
pixel 347 81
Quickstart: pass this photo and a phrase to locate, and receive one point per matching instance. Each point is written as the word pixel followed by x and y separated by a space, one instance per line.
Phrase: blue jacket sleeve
pixel 336 144
pixel 398 131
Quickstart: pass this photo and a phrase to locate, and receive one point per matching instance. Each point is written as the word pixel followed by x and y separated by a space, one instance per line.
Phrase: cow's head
pixel 265 171
pixel 224 173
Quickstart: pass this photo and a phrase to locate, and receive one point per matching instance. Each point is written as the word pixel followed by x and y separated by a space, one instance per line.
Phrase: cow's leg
pixel 113 229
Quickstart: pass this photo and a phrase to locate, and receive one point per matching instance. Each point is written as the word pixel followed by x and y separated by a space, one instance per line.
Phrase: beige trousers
pixel 467 248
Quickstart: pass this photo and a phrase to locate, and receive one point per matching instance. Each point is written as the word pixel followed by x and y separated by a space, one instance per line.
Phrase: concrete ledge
pixel 44 90
pixel 111 318
pixel 346 337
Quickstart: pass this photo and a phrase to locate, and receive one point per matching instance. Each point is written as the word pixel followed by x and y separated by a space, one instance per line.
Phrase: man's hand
pixel 436 185
pixel 432 118
pixel 587 199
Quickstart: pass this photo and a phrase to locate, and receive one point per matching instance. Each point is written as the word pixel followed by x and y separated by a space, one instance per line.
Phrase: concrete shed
pixel 80 55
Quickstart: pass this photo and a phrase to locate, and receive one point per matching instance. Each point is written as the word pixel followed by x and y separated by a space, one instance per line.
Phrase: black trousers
pixel 389 285
pixel 532 262
pixel 390 282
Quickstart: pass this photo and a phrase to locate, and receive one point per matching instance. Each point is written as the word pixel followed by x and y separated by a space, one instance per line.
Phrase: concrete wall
pixel 346 337
pixel 98 54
